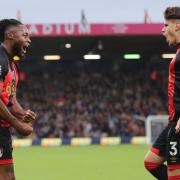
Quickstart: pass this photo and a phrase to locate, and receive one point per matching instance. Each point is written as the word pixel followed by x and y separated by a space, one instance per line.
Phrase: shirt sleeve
pixel 3 70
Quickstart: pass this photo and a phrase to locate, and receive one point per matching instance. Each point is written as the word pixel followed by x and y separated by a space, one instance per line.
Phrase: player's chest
pixel 11 76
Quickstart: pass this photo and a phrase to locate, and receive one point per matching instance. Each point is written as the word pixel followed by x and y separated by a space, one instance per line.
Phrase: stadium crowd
pixel 87 103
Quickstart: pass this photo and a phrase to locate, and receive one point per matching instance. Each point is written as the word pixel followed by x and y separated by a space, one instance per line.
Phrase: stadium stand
pixel 95 99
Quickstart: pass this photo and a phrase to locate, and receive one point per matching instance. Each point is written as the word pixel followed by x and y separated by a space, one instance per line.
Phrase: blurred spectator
pixel 94 103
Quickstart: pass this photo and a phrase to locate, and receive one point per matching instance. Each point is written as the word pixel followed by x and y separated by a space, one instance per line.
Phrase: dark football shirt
pixel 174 87
pixel 8 81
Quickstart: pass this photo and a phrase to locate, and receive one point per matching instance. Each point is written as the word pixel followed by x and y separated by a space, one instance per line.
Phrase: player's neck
pixel 8 48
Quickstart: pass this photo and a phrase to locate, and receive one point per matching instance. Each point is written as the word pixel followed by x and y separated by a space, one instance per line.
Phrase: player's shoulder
pixel 3 63
pixel 17 66
pixel 3 57
pixel 178 56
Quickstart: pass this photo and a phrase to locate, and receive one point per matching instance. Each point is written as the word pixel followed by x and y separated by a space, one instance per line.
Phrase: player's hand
pixel 177 128
pixel 23 128
pixel 29 116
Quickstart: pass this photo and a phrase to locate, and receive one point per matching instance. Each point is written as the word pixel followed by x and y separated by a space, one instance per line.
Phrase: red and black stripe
pixel 174 88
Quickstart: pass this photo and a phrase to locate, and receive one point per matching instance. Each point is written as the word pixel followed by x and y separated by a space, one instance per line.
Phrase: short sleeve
pixel 3 70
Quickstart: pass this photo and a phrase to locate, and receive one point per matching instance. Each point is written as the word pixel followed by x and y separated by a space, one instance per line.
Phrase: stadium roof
pixel 111 41
pixel 109 47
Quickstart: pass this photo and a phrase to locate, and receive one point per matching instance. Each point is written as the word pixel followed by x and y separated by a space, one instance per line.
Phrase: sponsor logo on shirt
pixel 10 89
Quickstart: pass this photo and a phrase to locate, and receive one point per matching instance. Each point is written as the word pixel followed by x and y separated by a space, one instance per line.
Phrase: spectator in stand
pixel 83 104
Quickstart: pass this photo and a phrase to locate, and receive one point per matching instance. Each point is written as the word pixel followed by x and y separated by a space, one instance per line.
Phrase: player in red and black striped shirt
pixel 14 38
pixel 167 145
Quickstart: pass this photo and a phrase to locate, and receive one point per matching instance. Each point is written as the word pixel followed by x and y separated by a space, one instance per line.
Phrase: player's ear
pixel 178 26
pixel 10 35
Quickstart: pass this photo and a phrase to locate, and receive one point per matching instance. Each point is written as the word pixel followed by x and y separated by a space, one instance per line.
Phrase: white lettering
pixel 69 28
pixel 173 148
pixel 84 28
pixel 33 29
pixel 119 28
pixel 58 28
pixel 47 29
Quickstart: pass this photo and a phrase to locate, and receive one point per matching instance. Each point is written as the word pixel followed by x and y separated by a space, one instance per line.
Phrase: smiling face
pixel 170 29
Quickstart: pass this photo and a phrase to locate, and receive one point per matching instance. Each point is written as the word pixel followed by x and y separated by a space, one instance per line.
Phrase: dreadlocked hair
pixel 5 24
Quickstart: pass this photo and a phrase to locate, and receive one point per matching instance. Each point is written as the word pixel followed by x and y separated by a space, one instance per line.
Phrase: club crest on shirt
pixel 1 152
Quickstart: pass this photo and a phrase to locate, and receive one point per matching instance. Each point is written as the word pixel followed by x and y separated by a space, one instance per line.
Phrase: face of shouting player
pixel 21 40
pixel 170 31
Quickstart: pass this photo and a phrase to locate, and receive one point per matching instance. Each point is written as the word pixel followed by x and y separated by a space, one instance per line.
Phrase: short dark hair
pixel 5 24
pixel 172 13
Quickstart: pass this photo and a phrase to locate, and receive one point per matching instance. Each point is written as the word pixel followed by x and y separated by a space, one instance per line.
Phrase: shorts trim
pixel 6 161
pixel 177 177
pixel 174 166
pixel 154 150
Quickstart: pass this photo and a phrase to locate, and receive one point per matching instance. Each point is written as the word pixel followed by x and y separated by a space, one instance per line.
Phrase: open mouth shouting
pixel 24 48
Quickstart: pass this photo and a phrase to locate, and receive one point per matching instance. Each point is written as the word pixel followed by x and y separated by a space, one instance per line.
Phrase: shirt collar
pixel 8 55
pixel 178 45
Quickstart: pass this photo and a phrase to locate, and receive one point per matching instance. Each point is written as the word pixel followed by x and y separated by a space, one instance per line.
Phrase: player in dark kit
pixel 167 145
pixel 14 38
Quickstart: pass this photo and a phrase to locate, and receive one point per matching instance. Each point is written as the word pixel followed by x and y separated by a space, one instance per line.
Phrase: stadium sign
pixel 50 30
pixel 59 29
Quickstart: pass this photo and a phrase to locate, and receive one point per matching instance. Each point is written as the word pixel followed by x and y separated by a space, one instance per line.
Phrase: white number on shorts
pixel 173 151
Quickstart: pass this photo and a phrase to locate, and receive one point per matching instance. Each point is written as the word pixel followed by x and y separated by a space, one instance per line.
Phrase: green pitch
pixel 123 162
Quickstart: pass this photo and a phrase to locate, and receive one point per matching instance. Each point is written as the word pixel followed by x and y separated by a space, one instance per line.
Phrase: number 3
pixel 173 151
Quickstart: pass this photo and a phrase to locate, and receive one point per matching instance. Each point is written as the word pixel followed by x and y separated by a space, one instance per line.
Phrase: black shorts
pixel 5 146
pixel 168 146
